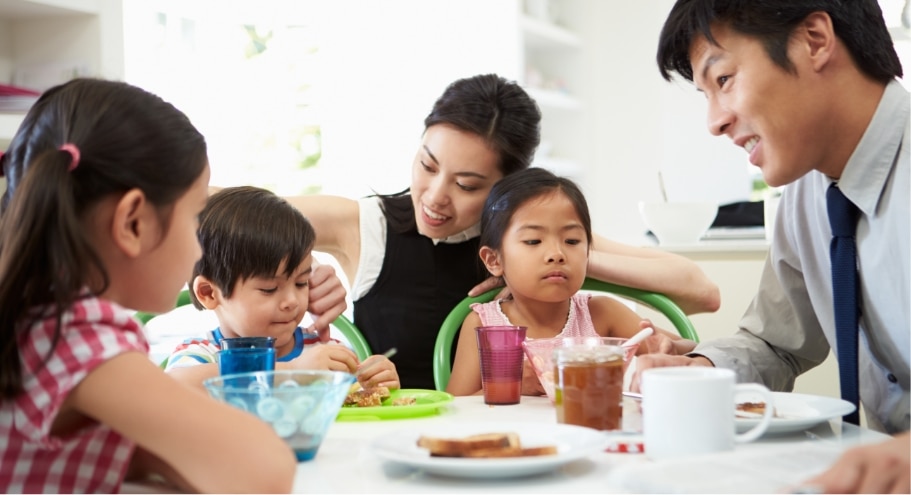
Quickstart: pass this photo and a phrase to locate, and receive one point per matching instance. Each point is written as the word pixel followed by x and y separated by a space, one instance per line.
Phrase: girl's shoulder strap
pixel 491 313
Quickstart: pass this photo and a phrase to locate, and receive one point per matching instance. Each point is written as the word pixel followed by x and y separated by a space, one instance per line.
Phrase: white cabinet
pixel 47 42
pixel 551 69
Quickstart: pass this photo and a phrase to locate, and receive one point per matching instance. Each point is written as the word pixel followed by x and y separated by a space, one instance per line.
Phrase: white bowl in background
pixel 678 222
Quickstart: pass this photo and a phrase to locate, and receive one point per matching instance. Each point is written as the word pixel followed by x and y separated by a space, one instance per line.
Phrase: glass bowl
pixel 540 353
pixel 299 404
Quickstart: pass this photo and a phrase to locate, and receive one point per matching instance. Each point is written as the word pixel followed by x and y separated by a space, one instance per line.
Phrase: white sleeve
pixel 373 246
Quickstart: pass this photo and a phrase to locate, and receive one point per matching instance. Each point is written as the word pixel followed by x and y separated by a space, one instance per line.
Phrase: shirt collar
pixel 469 233
pixel 865 175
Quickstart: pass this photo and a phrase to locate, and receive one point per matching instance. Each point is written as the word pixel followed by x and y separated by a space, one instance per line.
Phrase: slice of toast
pixel 459 447
pixel 513 452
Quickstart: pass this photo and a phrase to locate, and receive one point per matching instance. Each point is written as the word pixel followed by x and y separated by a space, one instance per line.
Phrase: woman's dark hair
pixel 512 191
pixel 858 23
pixel 488 105
pixel 247 232
pixel 126 139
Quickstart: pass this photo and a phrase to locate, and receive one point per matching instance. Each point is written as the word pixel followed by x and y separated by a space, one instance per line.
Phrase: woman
pixel 411 257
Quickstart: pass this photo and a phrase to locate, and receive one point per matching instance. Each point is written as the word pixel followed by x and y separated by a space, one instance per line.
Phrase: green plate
pixel 427 402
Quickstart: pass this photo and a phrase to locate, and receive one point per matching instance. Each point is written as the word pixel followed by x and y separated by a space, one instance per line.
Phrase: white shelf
pixel 9 124
pixel 539 33
pixel 27 9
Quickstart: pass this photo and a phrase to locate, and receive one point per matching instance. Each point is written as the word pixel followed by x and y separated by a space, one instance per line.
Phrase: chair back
pixel 442 350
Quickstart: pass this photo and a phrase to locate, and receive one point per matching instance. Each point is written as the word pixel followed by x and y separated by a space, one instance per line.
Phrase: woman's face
pixel 450 180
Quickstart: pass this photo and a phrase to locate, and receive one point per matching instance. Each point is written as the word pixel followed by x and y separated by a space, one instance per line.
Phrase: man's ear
pixel 491 259
pixel 817 38
pixel 206 292
pixel 131 226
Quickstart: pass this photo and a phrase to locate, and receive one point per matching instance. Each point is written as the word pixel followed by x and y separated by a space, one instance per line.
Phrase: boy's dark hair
pixel 248 232
pixel 512 191
pixel 488 105
pixel 127 139
pixel 858 23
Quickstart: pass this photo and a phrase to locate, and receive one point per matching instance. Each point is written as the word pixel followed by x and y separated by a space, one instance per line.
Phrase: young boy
pixel 254 274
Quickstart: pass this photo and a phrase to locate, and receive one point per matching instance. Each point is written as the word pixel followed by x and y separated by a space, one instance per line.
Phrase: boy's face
pixel 773 114
pixel 267 306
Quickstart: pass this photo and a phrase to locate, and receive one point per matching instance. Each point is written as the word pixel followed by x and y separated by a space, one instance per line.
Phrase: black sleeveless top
pixel 418 285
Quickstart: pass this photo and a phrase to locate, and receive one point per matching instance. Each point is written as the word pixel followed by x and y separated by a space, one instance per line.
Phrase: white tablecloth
pixel 346 464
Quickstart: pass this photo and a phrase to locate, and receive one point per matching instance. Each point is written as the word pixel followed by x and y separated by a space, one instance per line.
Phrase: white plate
pixel 797 412
pixel 573 442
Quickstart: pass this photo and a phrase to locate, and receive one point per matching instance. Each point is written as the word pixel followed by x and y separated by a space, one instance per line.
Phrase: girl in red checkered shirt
pixel 104 184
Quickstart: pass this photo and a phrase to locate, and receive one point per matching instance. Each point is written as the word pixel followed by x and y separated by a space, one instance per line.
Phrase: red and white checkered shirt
pixel 93 459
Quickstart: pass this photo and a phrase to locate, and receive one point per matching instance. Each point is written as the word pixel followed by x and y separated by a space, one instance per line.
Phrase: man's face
pixel 770 112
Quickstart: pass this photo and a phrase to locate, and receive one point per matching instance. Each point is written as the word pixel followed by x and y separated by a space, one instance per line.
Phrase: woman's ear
pixel 133 222
pixel 207 293
pixel 491 259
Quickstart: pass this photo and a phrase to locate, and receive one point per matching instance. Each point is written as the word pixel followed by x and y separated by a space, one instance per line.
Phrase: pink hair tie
pixel 74 153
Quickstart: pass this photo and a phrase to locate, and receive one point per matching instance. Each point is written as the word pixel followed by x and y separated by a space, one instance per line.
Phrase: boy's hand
pixel 376 371
pixel 327 299
pixel 332 357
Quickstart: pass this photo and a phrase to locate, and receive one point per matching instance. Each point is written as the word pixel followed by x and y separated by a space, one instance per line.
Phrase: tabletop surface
pixel 346 463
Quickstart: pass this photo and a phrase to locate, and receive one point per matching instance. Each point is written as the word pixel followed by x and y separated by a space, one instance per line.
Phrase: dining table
pixel 349 460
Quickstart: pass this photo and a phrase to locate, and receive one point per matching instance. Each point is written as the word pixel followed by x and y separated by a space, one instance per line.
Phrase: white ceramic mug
pixel 689 410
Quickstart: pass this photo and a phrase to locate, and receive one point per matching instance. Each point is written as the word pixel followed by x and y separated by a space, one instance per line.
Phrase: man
pixel 808 89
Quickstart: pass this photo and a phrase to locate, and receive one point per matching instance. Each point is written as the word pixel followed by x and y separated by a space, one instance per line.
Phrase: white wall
pixel 395 59
pixel 642 124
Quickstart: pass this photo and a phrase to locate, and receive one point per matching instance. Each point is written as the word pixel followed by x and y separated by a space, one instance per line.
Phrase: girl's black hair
pixel 511 192
pixel 127 139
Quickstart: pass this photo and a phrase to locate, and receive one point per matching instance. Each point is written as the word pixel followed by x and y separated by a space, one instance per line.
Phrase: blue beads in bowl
pixel 300 405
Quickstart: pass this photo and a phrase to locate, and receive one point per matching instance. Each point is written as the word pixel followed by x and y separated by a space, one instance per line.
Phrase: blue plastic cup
pixel 246 354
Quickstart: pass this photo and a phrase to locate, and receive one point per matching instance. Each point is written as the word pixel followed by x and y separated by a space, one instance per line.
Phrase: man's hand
pixel 327 299
pixel 877 468
pixel 646 361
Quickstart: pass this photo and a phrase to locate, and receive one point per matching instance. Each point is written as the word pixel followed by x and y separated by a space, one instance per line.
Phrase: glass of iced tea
pixel 588 382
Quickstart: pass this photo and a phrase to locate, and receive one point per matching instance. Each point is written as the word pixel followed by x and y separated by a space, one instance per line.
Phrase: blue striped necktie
pixel 843 216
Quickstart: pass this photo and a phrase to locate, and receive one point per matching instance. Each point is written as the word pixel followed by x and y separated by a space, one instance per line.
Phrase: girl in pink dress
pixel 104 185
pixel 535 234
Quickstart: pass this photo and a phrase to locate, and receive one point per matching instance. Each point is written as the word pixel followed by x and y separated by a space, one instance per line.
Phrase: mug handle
pixel 756 431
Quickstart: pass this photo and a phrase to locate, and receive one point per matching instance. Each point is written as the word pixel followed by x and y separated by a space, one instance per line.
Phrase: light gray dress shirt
pixel 790 325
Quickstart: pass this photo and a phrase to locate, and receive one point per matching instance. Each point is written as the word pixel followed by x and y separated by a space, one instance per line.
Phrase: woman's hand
pixel 327 299
pixel 378 371
pixel 332 357
pixel 490 283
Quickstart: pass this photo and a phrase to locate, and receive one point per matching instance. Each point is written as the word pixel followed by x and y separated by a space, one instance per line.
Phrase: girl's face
pixel 544 254
pixel 451 177
pixel 267 306
pixel 171 262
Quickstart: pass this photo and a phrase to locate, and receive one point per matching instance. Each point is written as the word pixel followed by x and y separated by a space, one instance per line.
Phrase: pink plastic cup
pixel 500 352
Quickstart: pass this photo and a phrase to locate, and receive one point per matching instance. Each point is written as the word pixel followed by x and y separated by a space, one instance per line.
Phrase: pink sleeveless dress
pixel 578 323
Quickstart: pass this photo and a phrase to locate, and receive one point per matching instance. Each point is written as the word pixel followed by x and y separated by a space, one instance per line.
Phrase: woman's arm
pixel 336 221
pixel 466 369
pixel 651 269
